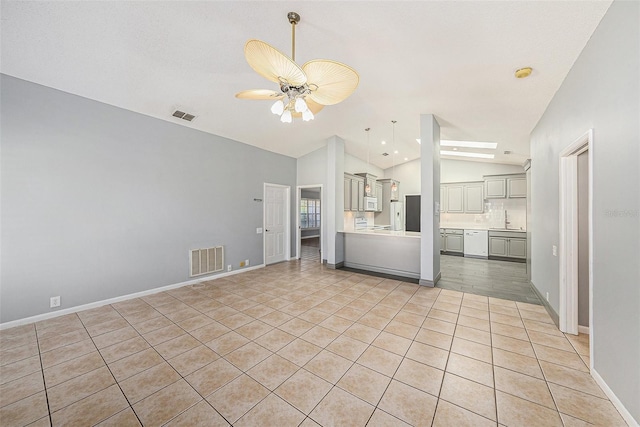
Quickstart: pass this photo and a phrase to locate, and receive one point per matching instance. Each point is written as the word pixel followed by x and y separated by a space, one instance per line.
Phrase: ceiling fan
pixel 304 91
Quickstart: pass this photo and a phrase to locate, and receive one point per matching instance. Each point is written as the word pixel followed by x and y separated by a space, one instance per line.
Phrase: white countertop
pixel 387 233
pixel 479 227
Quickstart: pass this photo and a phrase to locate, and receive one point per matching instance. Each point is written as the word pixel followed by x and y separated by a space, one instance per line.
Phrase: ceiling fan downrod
pixel 294 18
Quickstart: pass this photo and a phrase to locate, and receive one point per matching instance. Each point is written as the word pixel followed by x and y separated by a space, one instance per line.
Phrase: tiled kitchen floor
pixel 297 344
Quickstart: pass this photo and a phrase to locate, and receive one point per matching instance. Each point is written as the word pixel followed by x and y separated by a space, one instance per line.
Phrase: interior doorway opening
pixel 310 226
pixel 576 231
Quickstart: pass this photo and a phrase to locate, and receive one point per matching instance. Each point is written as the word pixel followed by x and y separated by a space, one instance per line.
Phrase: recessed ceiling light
pixel 467 154
pixel 384 142
pixel 468 144
pixel 406 158
pixel 455 148
pixel 418 141
pixel 395 152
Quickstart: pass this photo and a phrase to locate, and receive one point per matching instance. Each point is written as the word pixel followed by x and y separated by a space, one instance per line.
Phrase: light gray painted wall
pixel 355 165
pixel 601 92
pixel 100 202
pixel 583 239
pixel 465 171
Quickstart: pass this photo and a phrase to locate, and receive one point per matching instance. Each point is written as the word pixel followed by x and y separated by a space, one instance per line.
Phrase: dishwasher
pixel 476 243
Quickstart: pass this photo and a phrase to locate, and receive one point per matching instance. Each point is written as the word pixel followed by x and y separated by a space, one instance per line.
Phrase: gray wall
pixel 99 202
pixel 600 92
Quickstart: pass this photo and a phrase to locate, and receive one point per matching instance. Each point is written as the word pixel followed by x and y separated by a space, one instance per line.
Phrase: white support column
pixel 429 200
pixel 334 219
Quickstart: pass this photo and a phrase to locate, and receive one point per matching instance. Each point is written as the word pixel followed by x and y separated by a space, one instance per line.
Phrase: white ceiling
pixel 454 59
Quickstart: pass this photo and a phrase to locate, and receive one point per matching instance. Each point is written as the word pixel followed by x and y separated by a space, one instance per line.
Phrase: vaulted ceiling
pixel 454 59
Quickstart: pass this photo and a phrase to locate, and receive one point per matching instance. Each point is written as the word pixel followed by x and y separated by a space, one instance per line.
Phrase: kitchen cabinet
pixel 347 192
pixel 353 193
pixel 495 188
pixel 462 197
pixel 369 180
pixel 505 186
pixel 452 240
pixel 508 244
pixel 379 196
pixel 443 198
pixel 517 187
pixel 455 198
pixel 474 198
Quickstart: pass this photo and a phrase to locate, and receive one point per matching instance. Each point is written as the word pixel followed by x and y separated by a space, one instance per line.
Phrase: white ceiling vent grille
pixel 209 260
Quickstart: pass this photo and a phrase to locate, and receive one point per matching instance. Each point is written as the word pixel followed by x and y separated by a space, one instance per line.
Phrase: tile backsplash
pixel 493 216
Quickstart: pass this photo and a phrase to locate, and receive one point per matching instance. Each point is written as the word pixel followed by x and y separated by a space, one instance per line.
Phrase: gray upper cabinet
pixel 347 193
pixel 379 196
pixel 353 193
pixel 455 198
pixel 495 188
pixel 462 197
pixel 474 198
pixel 505 186
pixel 517 187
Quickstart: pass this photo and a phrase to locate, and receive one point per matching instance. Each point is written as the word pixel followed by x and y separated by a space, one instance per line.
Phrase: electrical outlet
pixel 246 263
pixel 555 250
pixel 229 267
pixel 54 302
pixel 241 263
pixel 547 296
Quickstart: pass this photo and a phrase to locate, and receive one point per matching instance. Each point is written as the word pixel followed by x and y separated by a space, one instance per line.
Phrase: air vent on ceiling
pixel 184 116
pixel 209 260
pixel 385 154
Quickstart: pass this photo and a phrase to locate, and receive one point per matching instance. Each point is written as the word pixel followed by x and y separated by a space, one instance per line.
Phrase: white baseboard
pixel 614 399
pixel 96 304
pixel 584 330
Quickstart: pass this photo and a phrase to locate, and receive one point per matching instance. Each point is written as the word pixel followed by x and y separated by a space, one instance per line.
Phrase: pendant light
pixel 367 188
pixel 394 187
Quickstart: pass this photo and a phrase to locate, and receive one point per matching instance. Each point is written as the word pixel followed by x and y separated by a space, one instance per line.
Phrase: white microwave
pixel 370 203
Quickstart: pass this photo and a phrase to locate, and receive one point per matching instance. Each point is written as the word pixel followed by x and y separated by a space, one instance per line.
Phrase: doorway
pixel 310 223
pixel 576 229
pixel 276 223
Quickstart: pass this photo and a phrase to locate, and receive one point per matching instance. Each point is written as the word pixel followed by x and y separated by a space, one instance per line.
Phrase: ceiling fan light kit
pixel 304 91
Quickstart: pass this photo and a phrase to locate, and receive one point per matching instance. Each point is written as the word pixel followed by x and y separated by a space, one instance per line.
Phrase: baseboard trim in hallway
pixel 96 304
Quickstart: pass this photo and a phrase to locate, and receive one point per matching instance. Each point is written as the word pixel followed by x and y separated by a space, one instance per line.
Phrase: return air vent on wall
pixel 209 260
pixel 184 116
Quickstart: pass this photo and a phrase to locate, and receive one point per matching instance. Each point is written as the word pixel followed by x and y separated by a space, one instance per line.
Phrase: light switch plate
pixel 259 230
pixel 555 250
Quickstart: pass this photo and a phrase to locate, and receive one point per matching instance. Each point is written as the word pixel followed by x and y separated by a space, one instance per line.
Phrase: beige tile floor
pixel 297 344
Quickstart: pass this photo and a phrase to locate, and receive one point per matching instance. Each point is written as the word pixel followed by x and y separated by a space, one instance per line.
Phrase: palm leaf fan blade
pixel 273 65
pixel 330 82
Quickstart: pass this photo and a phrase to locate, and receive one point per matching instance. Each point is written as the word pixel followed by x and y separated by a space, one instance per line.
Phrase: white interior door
pixel 275 224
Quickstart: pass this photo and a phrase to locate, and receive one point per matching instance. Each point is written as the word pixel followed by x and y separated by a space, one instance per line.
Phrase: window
pixel 309 213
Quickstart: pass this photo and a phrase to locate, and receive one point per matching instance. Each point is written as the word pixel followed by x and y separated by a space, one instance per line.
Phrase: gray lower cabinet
pixel 507 244
pixel 452 240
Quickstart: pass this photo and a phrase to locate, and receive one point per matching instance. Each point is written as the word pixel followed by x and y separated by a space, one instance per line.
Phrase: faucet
pixel 506 223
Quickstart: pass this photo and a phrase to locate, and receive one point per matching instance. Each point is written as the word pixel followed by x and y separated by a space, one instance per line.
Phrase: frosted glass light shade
pixel 301 106
pixel 286 117
pixel 307 115
pixel 277 107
